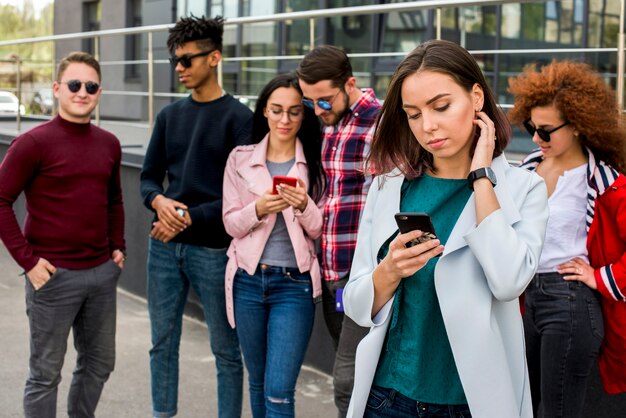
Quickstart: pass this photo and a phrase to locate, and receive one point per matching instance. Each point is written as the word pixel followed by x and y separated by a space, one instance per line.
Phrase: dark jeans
pixel 564 329
pixel 346 335
pixel 172 267
pixel 389 403
pixel 274 314
pixel 85 302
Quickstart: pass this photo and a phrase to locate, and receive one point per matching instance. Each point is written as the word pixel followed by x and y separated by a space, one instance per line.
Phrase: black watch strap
pixel 479 174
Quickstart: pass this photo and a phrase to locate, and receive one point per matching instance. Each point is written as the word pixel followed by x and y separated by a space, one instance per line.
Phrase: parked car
pixel 42 102
pixel 9 104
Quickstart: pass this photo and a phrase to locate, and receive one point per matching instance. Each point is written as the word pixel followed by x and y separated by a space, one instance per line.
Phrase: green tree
pixel 25 22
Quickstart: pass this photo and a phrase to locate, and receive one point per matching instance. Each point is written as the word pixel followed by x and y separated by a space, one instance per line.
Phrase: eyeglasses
pixel 543 134
pixel 185 60
pixel 293 115
pixel 323 104
pixel 74 86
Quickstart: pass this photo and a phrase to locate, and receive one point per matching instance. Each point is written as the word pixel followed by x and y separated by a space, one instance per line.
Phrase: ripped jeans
pixel 274 314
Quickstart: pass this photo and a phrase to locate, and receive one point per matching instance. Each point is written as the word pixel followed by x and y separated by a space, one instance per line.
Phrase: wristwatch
pixel 479 174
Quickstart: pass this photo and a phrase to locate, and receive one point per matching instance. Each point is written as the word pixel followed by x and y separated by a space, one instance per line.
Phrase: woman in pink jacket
pixel 273 277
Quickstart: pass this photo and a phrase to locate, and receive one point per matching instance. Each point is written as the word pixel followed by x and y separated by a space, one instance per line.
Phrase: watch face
pixel 491 176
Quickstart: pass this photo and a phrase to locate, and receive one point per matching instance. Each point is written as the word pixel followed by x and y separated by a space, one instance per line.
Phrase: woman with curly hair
pixel 572 116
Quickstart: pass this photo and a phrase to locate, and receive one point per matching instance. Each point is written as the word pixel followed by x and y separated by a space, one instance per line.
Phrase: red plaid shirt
pixel 345 147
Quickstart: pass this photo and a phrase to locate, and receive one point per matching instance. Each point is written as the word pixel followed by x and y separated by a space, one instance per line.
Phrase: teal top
pixel 416 359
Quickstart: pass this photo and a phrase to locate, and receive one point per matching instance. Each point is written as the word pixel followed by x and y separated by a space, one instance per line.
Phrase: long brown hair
pixel 394 144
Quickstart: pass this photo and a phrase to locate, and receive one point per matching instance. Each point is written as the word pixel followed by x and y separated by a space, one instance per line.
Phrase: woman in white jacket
pixel 447 337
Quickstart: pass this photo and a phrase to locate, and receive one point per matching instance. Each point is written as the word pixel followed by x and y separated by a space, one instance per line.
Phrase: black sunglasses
pixel 185 60
pixel 543 134
pixel 74 85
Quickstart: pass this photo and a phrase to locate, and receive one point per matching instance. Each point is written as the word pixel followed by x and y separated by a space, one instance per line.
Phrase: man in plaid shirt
pixel 349 115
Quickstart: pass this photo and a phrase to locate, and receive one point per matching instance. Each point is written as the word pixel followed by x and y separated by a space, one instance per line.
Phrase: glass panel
pixel 552 31
pixel 578 11
pixel 567 14
pixel 531 15
pixel 297 32
pixel 258 40
pixel 448 19
pixel 197 7
pixel 511 20
pixel 352 33
pixel 403 31
pixel 551 10
pixel 594 30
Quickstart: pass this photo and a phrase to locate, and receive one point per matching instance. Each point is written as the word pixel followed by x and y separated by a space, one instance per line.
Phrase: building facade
pixel 549 25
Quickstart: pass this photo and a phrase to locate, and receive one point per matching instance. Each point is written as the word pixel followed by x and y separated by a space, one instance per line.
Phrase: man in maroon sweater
pixel 72 245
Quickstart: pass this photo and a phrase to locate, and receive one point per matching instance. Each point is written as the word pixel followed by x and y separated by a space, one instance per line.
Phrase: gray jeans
pixel 346 336
pixel 84 301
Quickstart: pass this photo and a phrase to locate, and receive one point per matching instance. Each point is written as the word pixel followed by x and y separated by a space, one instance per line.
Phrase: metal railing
pixel 436 5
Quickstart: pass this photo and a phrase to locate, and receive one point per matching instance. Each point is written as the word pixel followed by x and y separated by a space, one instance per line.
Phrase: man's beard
pixel 336 117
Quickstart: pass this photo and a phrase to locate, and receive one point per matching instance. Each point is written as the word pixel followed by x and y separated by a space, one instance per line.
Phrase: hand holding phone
pixel 278 180
pixel 411 221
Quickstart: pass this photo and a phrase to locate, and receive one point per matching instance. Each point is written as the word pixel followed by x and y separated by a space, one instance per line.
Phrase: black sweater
pixel 190 144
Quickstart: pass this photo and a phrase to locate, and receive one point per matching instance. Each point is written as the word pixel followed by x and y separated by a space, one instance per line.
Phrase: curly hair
pixel 583 99
pixel 206 32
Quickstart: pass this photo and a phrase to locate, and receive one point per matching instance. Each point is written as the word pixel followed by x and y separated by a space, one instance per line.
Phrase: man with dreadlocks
pixel 191 141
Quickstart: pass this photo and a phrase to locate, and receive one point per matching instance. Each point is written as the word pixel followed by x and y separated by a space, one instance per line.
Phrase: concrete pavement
pixel 127 393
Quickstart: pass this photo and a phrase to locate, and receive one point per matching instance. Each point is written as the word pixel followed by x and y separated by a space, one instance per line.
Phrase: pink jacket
pixel 246 178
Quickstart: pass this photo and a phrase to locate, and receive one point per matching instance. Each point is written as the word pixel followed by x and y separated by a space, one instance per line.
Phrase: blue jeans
pixel 389 403
pixel 274 314
pixel 172 267
pixel 85 302
pixel 564 329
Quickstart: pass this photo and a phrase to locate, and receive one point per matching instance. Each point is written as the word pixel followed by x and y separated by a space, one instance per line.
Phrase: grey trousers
pixel 85 302
pixel 346 335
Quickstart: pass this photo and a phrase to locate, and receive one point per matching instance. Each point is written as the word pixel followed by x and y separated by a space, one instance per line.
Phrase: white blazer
pixel 478 279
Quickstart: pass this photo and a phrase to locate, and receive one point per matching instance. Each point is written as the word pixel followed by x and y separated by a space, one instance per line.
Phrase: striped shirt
pixel 344 150
pixel 600 177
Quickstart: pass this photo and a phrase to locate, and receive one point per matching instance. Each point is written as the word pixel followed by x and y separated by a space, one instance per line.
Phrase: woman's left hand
pixel 483 154
pixel 580 271
pixel 295 196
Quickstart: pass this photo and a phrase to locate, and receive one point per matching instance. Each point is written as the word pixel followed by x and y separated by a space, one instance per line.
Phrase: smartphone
pixel 291 181
pixel 410 221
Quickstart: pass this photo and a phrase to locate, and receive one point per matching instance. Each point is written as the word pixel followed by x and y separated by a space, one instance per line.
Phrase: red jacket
pixel 606 244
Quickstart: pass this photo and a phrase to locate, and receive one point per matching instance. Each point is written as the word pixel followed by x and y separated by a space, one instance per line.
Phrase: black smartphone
pixel 410 221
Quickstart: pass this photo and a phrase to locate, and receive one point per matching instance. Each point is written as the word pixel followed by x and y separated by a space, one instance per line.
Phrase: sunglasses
pixel 185 60
pixel 542 133
pixel 323 104
pixel 74 86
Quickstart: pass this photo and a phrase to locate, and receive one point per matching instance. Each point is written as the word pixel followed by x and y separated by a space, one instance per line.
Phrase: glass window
pixel 403 31
pixel 551 10
pixel 133 42
pixel 258 40
pixel 511 21
pixel 91 22
pixel 297 32
pixel 352 33
pixel 531 15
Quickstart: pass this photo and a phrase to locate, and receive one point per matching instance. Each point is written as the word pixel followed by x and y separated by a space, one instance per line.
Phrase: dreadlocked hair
pixel 207 33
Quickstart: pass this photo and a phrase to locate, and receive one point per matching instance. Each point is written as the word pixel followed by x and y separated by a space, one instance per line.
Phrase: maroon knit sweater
pixel 70 174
